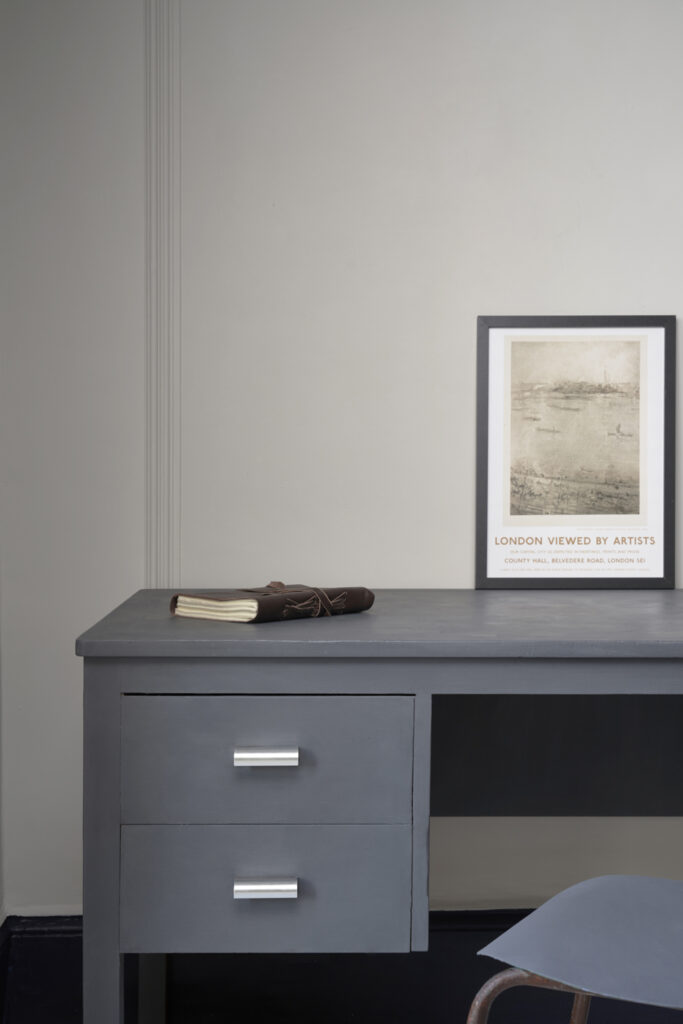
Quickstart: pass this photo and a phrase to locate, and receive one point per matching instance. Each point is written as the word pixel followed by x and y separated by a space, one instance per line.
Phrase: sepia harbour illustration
pixel 574 427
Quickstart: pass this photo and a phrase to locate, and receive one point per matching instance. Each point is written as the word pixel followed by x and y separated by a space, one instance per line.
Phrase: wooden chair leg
pixel 580 1008
pixel 514 977
pixel 491 989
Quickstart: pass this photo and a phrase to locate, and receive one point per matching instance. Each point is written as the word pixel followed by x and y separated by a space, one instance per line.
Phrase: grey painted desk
pixel 181 821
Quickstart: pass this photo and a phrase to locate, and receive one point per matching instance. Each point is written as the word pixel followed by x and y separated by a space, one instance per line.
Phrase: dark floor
pixel 44 977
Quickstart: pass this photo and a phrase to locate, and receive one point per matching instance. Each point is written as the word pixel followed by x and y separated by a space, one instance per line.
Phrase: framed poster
pixel 575 451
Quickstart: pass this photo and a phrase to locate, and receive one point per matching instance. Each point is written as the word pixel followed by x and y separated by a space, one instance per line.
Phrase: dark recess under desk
pixel 557 755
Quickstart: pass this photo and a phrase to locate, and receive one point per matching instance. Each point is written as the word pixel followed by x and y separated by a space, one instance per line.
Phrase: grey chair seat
pixel 619 936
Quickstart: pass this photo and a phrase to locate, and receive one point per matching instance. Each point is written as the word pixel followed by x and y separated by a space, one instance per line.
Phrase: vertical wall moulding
pixel 163 294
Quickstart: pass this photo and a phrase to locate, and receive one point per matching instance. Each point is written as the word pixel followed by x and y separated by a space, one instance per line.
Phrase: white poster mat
pixel 561 536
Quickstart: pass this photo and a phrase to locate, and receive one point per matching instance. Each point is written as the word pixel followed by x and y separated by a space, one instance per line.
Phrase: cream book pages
pixel 224 611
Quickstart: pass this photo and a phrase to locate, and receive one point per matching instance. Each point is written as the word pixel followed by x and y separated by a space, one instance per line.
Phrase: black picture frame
pixel 493 334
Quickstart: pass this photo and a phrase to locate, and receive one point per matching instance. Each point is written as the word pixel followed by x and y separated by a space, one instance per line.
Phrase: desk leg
pixel 152 988
pixel 421 776
pixel 102 962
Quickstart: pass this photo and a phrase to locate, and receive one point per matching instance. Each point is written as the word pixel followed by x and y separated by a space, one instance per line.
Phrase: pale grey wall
pixel 360 179
pixel 71 402
pixel 499 863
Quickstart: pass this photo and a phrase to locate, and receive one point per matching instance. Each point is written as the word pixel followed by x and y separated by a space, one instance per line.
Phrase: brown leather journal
pixel 271 603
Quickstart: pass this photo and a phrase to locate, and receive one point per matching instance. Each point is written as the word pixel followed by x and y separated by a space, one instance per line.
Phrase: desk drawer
pixel 355 759
pixel 353 884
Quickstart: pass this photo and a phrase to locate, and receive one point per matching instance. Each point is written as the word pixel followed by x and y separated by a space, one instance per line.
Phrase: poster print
pixel 575 460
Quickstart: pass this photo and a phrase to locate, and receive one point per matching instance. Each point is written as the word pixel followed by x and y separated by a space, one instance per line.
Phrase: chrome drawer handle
pixel 265 888
pixel 263 757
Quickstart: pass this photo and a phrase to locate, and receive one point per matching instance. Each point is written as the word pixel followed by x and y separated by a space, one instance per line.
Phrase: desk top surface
pixel 412 624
